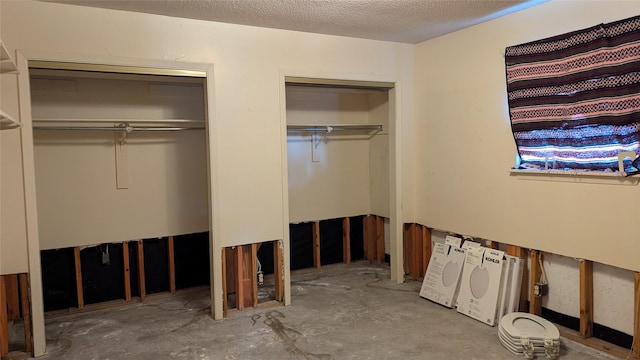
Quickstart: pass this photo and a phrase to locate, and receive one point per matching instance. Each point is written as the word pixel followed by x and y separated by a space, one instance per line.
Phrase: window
pixel 574 99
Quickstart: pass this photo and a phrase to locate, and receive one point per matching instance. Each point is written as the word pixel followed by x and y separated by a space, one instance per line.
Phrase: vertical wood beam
pixel 239 279
pixel 346 240
pixel 25 302
pixel 635 350
pixel 172 266
pixel 524 289
pixel 278 270
pixel 127 271
pixel 586 299
pixel 4 323
pixel 426 248
pixel 141 284
pixel 417 251
pixel 493 245
pixel 316 244
pixel 405 247
pixel 247 276
pixel 535 302
pixel 224 282
pixel 365 237
pixel 379 239
pixel 13 297
pixel 253 275
pixel 372 241
pixel 78 266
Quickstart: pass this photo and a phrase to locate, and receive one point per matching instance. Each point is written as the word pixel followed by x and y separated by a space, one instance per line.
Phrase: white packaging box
pixel 481 284
pixel 504 301
pixel 517 267
pixel 442 278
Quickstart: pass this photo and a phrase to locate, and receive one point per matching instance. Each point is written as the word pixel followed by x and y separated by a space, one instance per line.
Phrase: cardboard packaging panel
pixel 442 278
pixel 481 284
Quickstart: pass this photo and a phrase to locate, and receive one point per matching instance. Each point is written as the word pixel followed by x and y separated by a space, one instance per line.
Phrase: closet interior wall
pixel 337 174
pixel 100 187
pixel 79 202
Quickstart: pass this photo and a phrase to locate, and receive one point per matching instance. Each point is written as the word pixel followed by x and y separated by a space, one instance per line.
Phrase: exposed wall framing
pixel 584 328
pixel 15 306
pixel 240 280
pixel 535 302
pixel 373 238
pixel 586 298
pixel 77 278
pixel 417 249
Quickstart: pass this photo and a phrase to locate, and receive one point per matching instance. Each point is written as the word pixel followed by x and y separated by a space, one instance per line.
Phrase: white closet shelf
pixel 329 128
pixel 7 65
pixel 7 122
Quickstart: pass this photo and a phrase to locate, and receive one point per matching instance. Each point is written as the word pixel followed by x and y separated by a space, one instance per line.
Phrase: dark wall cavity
pixel 357 237
pixel 191 259
pixel 102 273
pixel 331 244
pixel 133 268
pixel 58 279
pixel 301 245
pixel 265 256
pixel 156 265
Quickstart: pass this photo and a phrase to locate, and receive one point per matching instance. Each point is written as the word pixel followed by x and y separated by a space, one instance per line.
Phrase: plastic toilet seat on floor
pixel 529 335
pixel 534 327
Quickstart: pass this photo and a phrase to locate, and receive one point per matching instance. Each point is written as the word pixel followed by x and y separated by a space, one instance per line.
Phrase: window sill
pixel 576 176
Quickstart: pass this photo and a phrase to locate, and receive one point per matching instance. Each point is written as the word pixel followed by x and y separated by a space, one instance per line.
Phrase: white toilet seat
pixel 479 282
pixel 450 274
pixel 518 325
pixel 529 335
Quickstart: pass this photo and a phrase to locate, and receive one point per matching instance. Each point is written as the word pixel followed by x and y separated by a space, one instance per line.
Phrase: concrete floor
pixel 338 312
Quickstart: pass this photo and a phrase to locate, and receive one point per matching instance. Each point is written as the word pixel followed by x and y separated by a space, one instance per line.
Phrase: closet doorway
pixel 122 183
pixel 341 173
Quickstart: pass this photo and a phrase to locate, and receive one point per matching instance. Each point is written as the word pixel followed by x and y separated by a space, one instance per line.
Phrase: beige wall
pixel 379 154
pixel 78 201
pixel 248 63
pixel 464 146
pixel 13 247
pixel 337 184
pixel 351 175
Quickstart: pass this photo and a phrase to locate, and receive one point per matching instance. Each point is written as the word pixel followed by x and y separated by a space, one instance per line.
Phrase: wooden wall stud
pixel 127 271
pixel 172 265
pixel 141 279
pixel 25 302
pixel 278 270
pixel 316 244
pixel 535 302
pixel 78 267
pixel 586 299
pixel 4 323
pixel 346 240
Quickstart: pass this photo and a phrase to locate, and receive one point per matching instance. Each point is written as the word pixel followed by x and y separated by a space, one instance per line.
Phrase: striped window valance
pixel 574 99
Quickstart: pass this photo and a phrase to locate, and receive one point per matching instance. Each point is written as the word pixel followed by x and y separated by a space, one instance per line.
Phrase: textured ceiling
pixel 408 21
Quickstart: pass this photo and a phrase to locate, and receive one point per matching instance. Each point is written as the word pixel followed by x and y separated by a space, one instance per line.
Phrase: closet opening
pixel 339 170
pixel 122 184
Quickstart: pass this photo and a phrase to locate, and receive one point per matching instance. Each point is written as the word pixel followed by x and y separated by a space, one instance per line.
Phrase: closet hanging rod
pixel 118 121
pixel 117 129
pixel 331 128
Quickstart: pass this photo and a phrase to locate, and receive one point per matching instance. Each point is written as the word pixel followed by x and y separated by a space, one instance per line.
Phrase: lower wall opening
pixel 253 275
pixel 78 276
